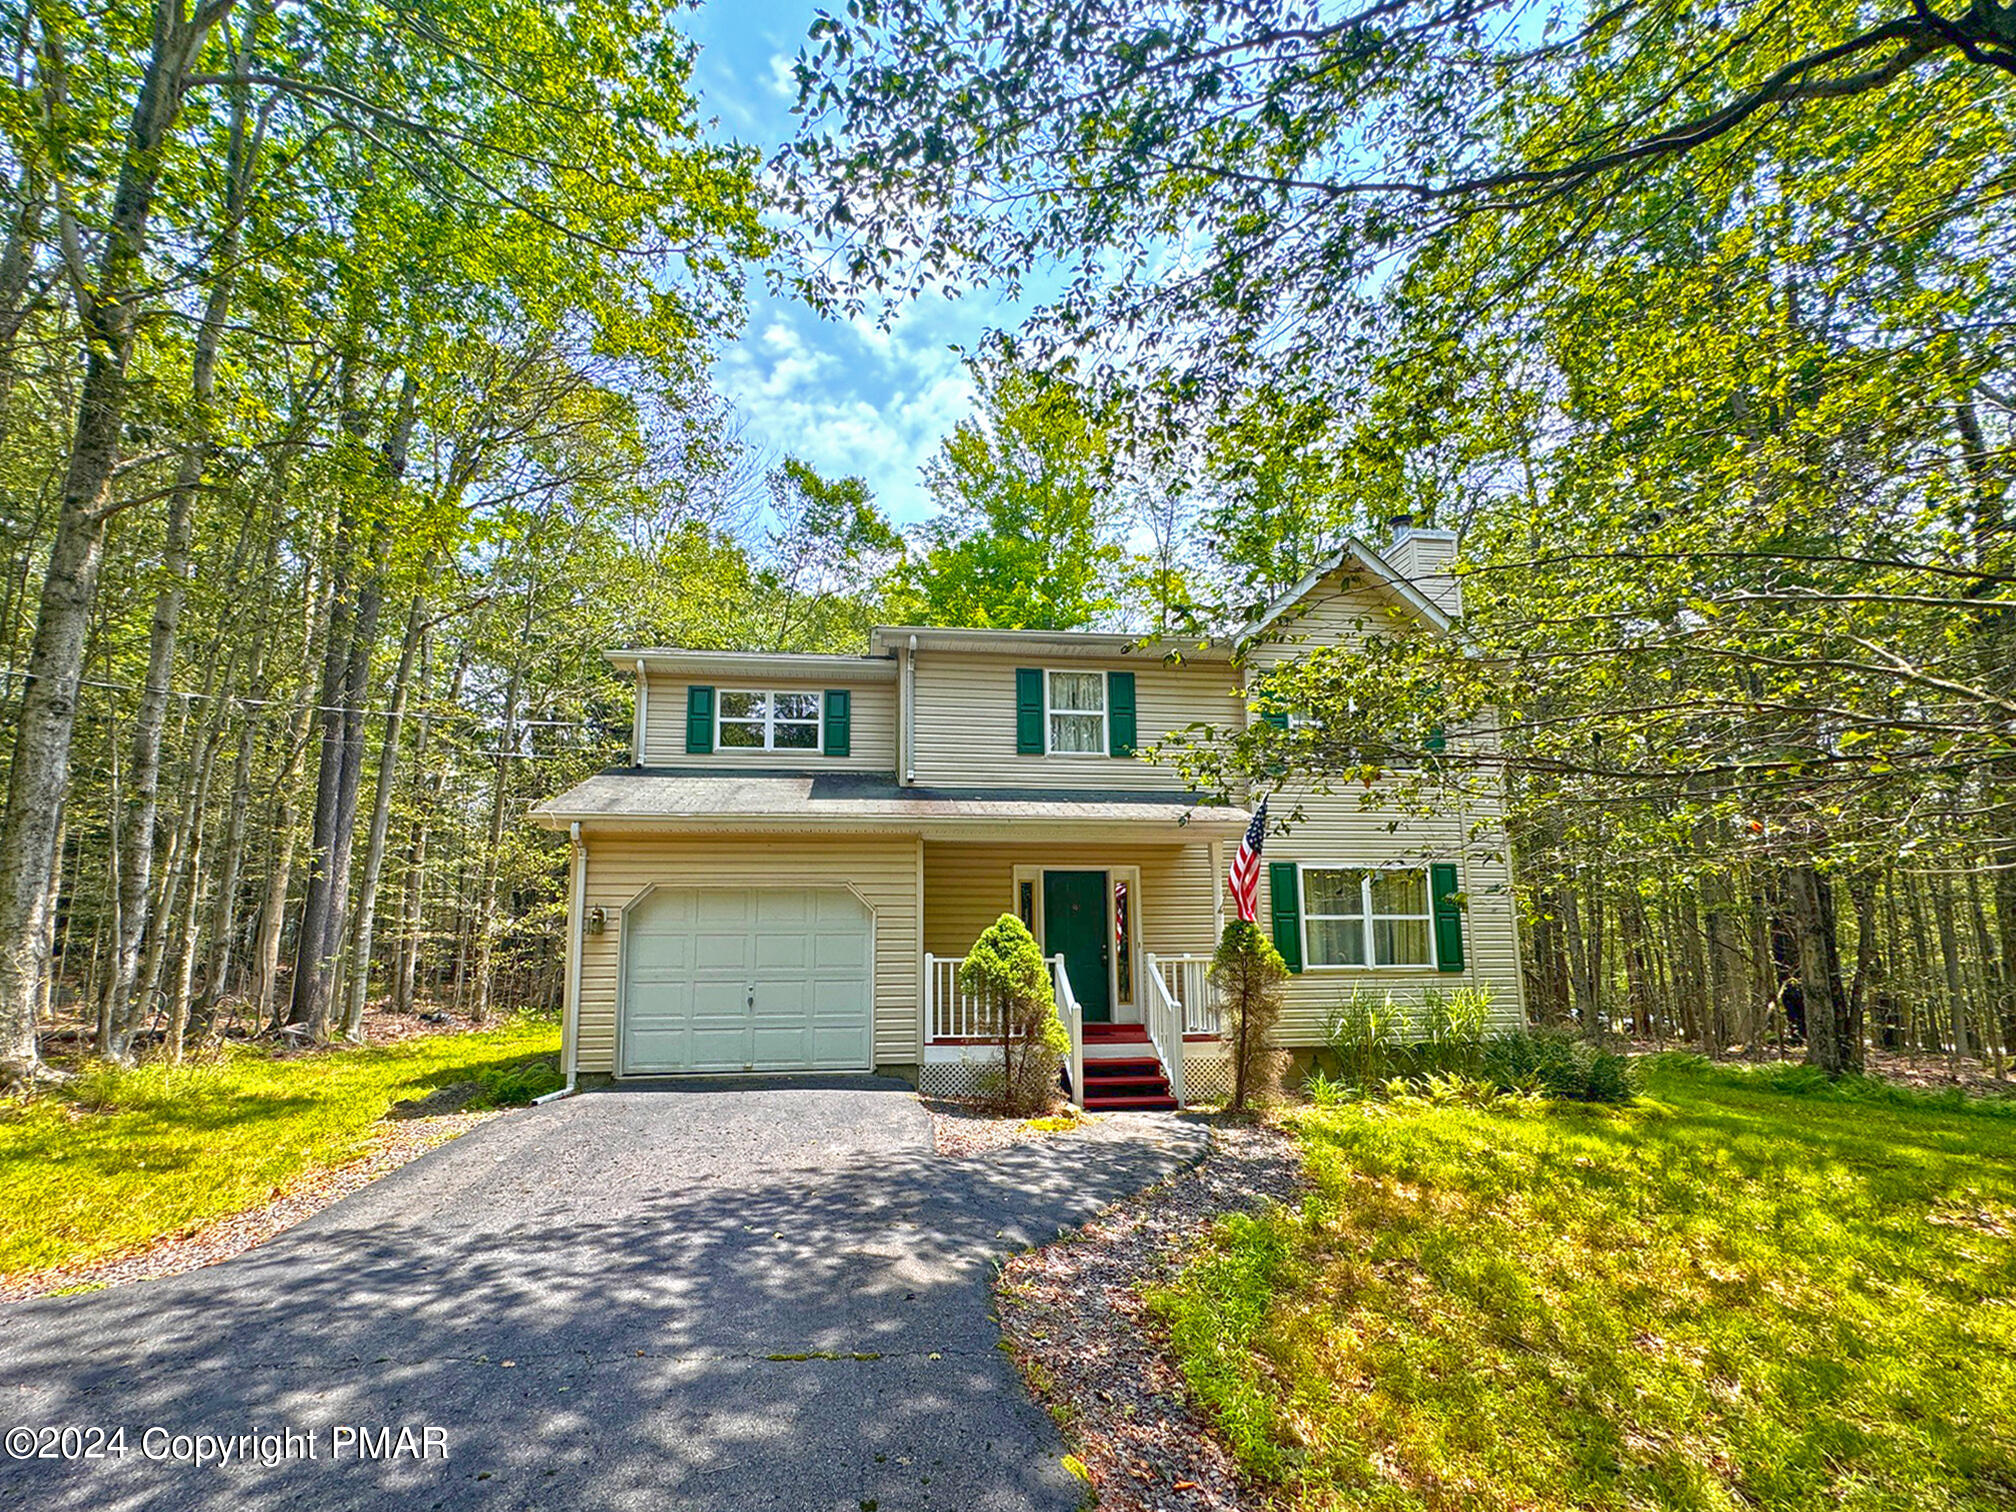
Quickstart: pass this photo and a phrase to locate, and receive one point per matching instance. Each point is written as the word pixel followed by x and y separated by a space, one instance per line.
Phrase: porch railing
pixel 1164 1017
pixel 954 1014
pixel 951 1011
pixel 1187 979
pixel 1074 1027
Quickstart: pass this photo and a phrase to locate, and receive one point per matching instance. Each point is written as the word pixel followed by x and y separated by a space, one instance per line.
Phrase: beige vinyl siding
pixel 966 720
pixel 1337 831
pixel 1339 611
pixel 968 886
pixel 881 869
pixel 873 740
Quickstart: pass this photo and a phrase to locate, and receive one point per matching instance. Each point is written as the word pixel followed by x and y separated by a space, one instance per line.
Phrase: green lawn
pixel 1725 1296
pixel 120 1158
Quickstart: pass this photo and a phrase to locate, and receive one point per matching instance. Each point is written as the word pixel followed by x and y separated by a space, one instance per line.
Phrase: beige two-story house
pixel 789 872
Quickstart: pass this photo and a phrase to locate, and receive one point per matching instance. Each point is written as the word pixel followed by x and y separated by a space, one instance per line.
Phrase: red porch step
pixel 1116 1034
pixel 1117 1082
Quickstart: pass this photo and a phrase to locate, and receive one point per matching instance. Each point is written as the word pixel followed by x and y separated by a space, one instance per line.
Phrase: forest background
pixel 358 388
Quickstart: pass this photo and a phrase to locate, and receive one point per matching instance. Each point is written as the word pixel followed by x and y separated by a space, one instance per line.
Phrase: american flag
pixel 1245 877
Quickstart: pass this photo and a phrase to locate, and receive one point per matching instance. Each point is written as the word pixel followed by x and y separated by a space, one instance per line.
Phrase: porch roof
pixel 848 800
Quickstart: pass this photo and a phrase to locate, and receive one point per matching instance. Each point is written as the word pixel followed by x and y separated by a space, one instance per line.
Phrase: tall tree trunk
pixel 108 309
pixel 1957 1048
pixel 1580 984
pixel 431 796
pixel 381 814
pixel 1833 1035
pixel 486 911
pixel 280 867
pixel 180 930
pixel 1921 986
pixel 1868 979
pixel 136 837
pixel 1694 971
pixel 346 687
pixel 1992 986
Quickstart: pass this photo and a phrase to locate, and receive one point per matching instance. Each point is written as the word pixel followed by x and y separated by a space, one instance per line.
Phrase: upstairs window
pixel 767 721
pixel 1077 713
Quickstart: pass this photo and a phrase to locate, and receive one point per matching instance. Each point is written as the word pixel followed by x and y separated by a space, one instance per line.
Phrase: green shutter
pixel 1028 711
pixel 1275 717
pixel 839 722
pixel 1437 740
pixel 699 721
pixel 1120 713
pixel 1285 903
pixel 1443 889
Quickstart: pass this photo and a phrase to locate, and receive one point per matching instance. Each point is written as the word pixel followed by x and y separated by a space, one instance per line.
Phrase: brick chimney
pixel 1422 557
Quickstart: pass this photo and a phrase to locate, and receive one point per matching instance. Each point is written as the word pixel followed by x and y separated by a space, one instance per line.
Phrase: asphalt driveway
pixel 732 1296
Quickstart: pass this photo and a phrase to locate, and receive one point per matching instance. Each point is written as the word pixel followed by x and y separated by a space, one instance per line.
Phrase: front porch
pixel 1128 931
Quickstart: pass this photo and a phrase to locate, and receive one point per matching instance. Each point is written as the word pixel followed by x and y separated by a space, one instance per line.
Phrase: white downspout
pixel 1217 891
pixel 638 725
pixel 910 714
pixel 571 994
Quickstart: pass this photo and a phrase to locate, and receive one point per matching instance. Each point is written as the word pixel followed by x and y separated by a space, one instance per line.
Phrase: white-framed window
pixel 1367 916
pixel 753 719
pixel 1074 713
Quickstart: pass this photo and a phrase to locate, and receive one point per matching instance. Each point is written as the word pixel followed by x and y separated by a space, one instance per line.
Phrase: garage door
pixel 747 979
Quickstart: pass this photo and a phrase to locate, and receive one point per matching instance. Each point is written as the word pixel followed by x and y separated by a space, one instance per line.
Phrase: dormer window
pixel 752 720
pixel 1077 713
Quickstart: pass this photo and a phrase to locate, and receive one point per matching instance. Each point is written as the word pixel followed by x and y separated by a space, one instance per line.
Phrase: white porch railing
pixel 1165 1032
pixel 1073 1020
pixel 1187 979
pixel 951 1011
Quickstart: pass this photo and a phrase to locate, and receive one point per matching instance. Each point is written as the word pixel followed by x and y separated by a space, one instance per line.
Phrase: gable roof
pixel 1354 553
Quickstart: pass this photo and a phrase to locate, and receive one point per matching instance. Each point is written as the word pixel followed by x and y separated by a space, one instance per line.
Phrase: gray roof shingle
pixel 715 797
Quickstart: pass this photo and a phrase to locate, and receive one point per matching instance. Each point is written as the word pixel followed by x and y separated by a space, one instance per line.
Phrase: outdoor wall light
pixel 596 919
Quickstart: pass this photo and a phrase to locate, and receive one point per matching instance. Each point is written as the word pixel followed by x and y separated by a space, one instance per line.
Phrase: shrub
pixel 1373 1040
pixel 1559 1064
pixel 1328 1091
pixel 1380 1055
pixel 1248 972
pixel 1363 1032
pixel 1454 1028
pixel 515 1086
pixel 1006 966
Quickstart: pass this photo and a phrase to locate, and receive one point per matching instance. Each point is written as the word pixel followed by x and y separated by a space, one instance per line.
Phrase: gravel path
pixel 1074 1319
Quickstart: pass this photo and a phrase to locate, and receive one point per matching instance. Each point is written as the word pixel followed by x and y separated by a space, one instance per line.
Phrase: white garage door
pixel 747 979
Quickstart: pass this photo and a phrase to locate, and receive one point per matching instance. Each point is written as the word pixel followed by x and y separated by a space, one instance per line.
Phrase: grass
pixel 119 1158
pixel 1738 1293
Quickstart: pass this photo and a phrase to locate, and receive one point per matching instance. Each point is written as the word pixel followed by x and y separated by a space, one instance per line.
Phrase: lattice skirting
pixel 1207 1079
pixel 958 1079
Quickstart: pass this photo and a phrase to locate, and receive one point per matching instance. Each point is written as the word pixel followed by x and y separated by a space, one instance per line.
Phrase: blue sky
pixel 849 398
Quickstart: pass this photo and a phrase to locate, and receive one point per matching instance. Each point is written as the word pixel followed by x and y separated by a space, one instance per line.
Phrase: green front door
pixel 1074 926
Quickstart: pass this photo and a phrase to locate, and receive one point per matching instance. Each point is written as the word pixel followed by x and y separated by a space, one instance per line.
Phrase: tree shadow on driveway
pixel 724 1295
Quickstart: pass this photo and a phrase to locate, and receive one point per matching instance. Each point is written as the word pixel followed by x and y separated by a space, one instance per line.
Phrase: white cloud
pixel 856 399
pixel 783 78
